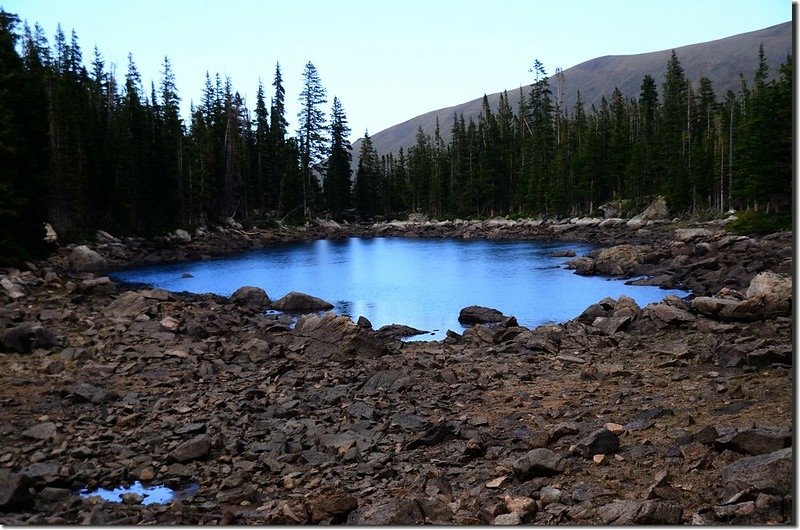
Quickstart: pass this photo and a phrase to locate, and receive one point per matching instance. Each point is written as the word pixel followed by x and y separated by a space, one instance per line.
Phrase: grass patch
pixel 758 223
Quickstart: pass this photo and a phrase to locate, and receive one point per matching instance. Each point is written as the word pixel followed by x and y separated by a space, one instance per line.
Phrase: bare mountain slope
pixel 721 61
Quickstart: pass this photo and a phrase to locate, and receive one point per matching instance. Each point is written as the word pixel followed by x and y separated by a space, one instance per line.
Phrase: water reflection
pixel 421 283
pixel 158 494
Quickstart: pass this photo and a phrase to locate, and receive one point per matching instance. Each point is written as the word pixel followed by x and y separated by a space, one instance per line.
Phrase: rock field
pixel 675 413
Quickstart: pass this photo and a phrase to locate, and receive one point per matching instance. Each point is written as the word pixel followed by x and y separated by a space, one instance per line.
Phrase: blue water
pixel 422 283
pixel 150 494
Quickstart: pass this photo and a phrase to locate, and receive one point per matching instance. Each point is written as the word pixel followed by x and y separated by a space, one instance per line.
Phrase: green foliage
pixel 758 222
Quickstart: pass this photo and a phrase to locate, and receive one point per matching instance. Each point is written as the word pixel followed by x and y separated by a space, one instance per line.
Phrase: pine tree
pixel 261 186
pixel 311 134
pixel 22 191
pixel 280 162
pixel 673 135
pixel 338 172
pixel 365 189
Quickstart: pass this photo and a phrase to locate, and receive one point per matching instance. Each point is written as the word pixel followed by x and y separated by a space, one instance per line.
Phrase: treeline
pixel 701 152
pixel 83 149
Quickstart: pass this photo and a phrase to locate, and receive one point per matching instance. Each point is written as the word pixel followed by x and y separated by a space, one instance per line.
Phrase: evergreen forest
pixel 84 149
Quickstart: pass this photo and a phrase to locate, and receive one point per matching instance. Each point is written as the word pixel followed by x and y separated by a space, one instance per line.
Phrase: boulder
pixel 301 303
pixel 603 308
pixel 475 314
pixel 538 463
pixel 391 512
pixel 628 512
pixel 192 449
pixel 182 236
pixel 334 337
pixel 395 331
pixel 757 440
pixel 129 304
pixel 773 291
pixel 668 314
pixel 598 442
pixel 656 211
pixel 50 235
pixel 42 431
pixel 726 309
pixel 769 473
pixel 13 290
pixel 507 519
pixel 583 265
pixel 610 325
pixel 689 234
pixel 249 296
pixel 26 337
pixel 91 393
pixel 627 307
pixel 617 261
pixel 83 259
pixel 105 237
pixel 332 506
pixel 13 490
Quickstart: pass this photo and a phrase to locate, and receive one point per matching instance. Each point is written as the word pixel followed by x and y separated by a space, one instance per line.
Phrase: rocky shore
pixel 676 413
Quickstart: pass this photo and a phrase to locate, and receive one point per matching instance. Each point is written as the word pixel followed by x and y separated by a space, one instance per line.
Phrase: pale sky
pixel 387 61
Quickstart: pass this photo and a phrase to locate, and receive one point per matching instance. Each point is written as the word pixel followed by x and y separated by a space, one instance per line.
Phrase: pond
pixel 156 494
pixel 422 283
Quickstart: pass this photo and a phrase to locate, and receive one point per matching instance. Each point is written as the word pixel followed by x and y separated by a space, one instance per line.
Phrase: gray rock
pixel 480 315
pixel 757 440
pixel 249 296
pixel 538 463
pixel 91 393
pixel 507 519
pixel 41 431
pixel 598 442
pixel 688 234
pixel 603 308
pixel 773 291
pixel 436 511
pixel 129 304
pixel 617 261
pixel 707 435
pixel 332 506
pixel 610 325
pixel 770 473
pixel 657 210
pixel 550 495
pixel 301 303
pixel 364 322
pixel 386 380
pixel 396 331
pixel 432 436
pixel 13 489
pixel 182 236
pixel 82 259
pixel 50 235
pixel 583 265
pixel 26 337
pixel 411 422
pixel 316 458
pixel 192 449
pixel 334 337
pixel 626 512
pixel 626 306
pixel 668 314
pixel 391 512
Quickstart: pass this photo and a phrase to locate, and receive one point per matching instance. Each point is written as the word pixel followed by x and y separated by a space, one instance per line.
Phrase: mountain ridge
pixel 721 60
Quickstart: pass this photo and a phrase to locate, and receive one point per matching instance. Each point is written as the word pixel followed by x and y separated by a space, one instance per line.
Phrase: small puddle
pixel 150 494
